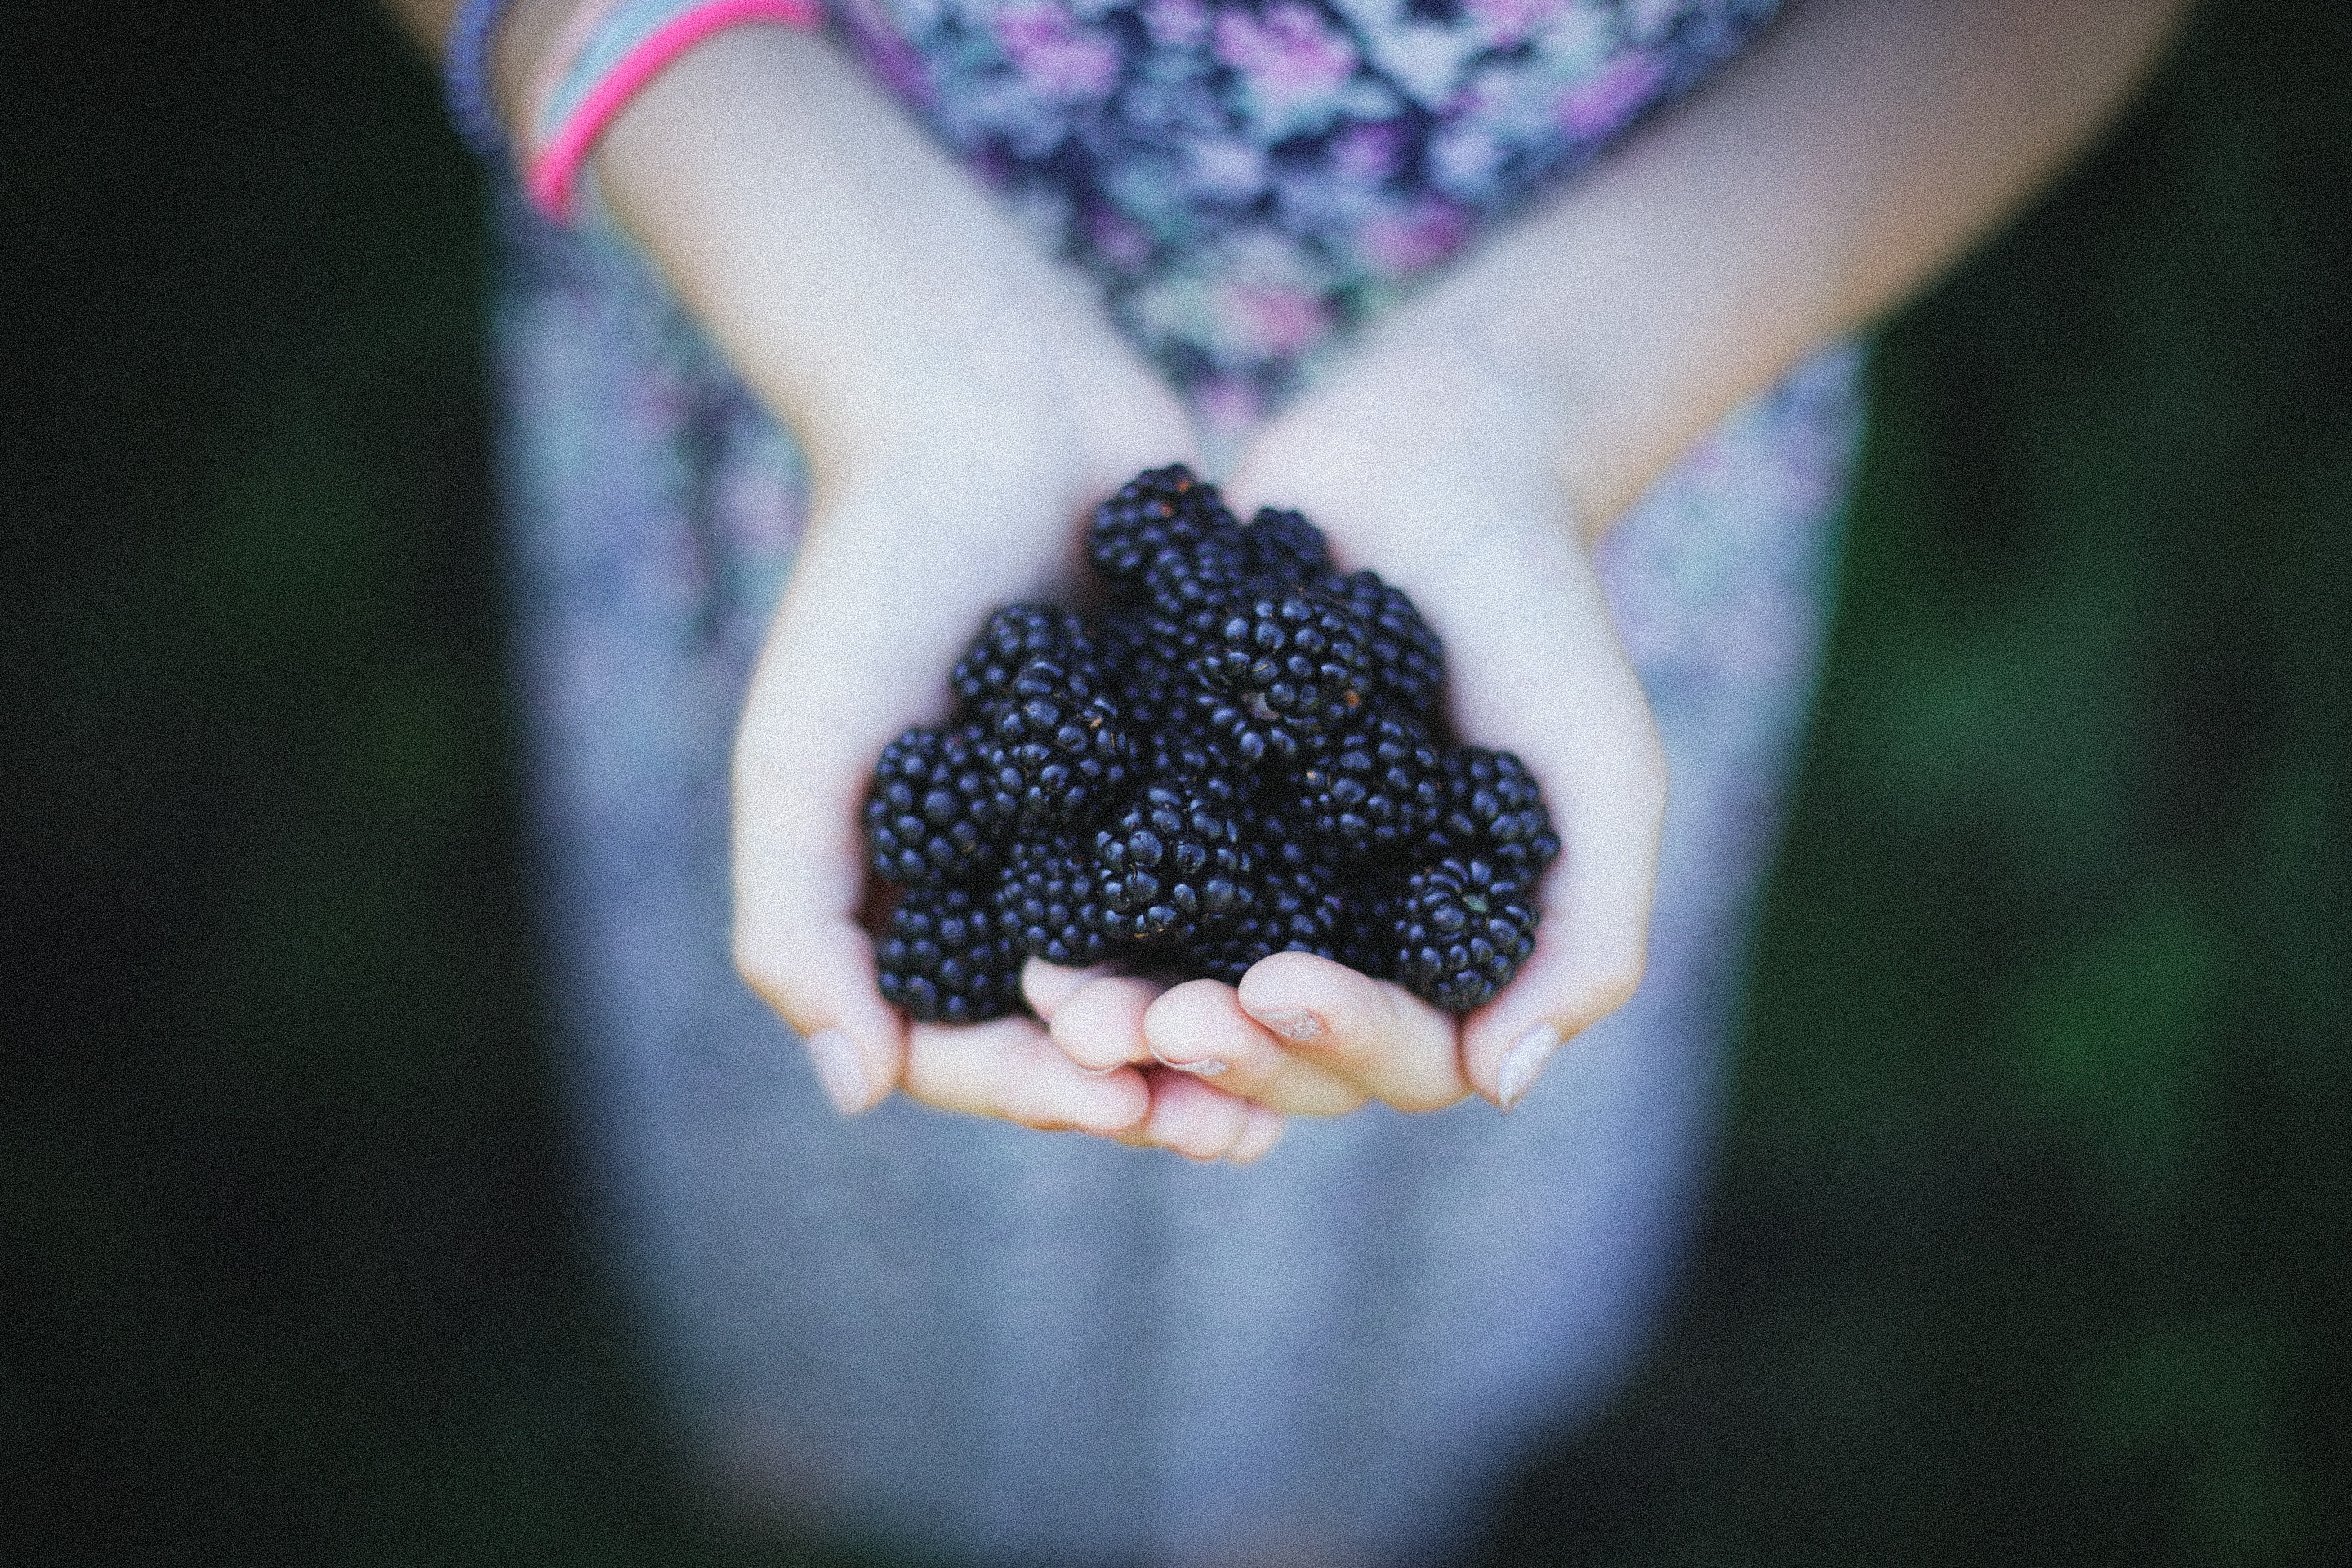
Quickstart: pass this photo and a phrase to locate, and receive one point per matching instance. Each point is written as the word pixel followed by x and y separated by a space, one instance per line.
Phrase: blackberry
pixel 1495 810
pixel 943 960
pixel 1055 746
pixel 1408 660
pixel 932 813
pixel 1047 905
pixel 1379 792
pixel 1013 636
pixel 1281 677
pixel 1171 863
pixel 1462 931
pixel 1285 547
pixel 1160 517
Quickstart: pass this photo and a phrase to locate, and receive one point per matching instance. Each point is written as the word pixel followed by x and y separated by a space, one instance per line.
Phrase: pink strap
pixel 555 167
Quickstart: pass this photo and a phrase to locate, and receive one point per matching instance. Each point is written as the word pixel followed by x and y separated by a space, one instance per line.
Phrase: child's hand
pixel 909 550
pixel 1421 463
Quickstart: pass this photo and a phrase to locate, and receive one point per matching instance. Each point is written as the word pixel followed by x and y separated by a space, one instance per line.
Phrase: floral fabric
pixel 1248 178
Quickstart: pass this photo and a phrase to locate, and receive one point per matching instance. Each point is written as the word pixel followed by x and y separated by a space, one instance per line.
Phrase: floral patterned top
pixel 1248 177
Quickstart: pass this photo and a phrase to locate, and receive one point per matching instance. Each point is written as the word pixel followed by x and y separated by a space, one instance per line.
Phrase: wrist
pixel 526 39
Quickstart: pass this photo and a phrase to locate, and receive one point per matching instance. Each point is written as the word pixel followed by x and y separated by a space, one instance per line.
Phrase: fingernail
pixel 1523 1061
pixel 1292 1023
pixel 1207 1066
pixel 839 1069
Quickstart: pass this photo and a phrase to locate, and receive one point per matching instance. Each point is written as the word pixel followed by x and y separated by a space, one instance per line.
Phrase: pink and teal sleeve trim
pixel 604 59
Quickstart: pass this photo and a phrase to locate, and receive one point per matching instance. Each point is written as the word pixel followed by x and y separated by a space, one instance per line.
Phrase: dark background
pixel 2030 1243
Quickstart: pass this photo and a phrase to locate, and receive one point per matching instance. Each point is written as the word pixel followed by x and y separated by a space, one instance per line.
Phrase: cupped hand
pixel 971 494
pixel 963 403
pixel 1421 462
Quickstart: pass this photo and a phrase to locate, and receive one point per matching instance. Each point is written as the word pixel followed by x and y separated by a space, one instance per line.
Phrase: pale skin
pixel 963 403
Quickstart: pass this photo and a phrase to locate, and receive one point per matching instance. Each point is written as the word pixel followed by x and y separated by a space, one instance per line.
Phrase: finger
pixel 1592 940
pixel 1591 947
pixel 1194 1119
pixel 1046 986
pixel 1257 1140
pixel 821 979
pixel 1595 749
pixel 1199 1028
pixel 1100 1024
pixel 1011 1070
pixel 1397 1046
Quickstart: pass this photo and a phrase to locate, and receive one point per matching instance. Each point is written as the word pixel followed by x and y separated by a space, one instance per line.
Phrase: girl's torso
pixel 1248 177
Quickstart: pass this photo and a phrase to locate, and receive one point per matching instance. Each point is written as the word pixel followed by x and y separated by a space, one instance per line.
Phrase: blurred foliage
pixel 2029 1242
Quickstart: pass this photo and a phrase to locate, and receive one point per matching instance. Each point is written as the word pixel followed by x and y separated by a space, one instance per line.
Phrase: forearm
pixel 1856 151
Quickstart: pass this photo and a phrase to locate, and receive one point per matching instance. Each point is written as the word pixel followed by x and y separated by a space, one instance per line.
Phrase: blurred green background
pixel 2030 1243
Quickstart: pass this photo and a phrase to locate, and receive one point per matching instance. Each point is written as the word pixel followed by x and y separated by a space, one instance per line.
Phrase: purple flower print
pixel 1368 154
pixel 1291 63
pixel 1508 22
pixel 1176 23
pixel 1056 56
pixel 1595 108
pixel 1402 241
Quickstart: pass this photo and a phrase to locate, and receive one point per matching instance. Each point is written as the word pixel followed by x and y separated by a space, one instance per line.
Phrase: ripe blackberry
pixel 1047 904
pixel 932 813
pixel 1281 677
pixel 1013 636
pixel 1169 864
pixel 1462 931
pixel 943 960
pixel 1055 746
pixel 1379 792
pixel 1407 659
pixel 1494 809
pixel 1159 517
pixel 1286 547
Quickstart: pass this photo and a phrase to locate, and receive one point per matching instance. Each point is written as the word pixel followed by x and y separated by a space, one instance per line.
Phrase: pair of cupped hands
pixel 965 404
pixel 983 501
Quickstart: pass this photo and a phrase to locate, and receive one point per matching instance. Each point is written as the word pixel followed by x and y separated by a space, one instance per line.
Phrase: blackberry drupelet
pixel 1462 931
pixel 1172 863
pixel 1494 809
pixel 1054 745
pixel 943 960
pixel 1379 792
pixel 932 815
pixel 1048 904
pixel 1013 636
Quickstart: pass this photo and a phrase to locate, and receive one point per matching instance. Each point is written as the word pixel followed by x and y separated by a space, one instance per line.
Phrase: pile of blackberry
pixel 1245 756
